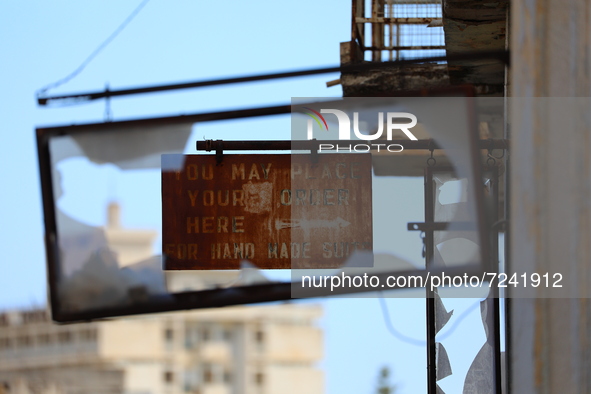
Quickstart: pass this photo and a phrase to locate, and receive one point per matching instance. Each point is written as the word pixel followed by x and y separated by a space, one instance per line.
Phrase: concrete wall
pixel 551 194
pixel 294 344
pixel 132 339
pixel 293 380
pixel 148 378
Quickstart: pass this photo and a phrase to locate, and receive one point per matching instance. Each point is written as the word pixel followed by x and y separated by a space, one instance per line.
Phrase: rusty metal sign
pixel 276 211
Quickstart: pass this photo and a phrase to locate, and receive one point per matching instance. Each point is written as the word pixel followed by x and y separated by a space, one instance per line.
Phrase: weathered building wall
pixel 473 25
pixel 551 194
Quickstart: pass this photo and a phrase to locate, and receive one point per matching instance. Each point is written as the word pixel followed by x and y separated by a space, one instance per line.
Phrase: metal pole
pixel 496 317
pixel 430 294
pixel 211 145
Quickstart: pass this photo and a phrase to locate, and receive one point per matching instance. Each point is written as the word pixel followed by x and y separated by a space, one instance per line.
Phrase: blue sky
pixel 41 42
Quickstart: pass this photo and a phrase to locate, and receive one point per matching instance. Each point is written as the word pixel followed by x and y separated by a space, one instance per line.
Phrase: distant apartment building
pixel 242 350
pixel 238 350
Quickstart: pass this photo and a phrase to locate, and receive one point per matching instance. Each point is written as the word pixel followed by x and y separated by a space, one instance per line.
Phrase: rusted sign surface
pixel 276 211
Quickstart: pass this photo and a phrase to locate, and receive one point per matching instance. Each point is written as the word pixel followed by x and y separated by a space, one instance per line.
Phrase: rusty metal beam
pixel 501 56
pixel 403 48
pixel 397 21
pixel 212 145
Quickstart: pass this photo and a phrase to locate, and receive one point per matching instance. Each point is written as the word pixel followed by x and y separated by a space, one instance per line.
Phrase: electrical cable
pixel 419 342
pixel 102 46
pixel 392 329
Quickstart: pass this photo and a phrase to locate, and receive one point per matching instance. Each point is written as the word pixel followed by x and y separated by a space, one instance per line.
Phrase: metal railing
pixel 387 30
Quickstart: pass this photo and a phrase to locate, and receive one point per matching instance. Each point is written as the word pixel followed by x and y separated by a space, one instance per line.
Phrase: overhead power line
pixel 94 53
pixel 421 342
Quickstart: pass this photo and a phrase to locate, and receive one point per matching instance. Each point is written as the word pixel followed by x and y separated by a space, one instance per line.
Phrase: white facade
pixel 259 350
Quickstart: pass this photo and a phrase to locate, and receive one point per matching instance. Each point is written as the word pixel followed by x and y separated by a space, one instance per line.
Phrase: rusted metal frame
pixel 487 254
pixel 496 329
pixel 211 145
pixel 402 21
pixel 182 301
pixel 357 29
pixel 430 293
pixel 479 197
pixel 502 56
pixel 121 125
pixel 478 192
pixel 51 235
pixel 439 226
pixel 397 40
pixel 402 48
pixel 314 152
pixel 429 227
pixel 392 42
pixel 377 31
pixel 360 38
pixel 378 24
pixel 507 257
pixel 416 2
pixel 219 153
pixel 353 24
pixel 214 298
pixel 201 299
